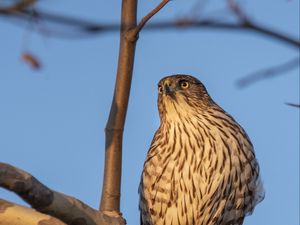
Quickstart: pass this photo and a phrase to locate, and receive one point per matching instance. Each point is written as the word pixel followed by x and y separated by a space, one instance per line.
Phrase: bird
pixel 201 167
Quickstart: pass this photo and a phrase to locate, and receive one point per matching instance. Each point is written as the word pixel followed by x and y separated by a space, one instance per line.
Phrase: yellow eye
pixel 160 89
pixel 184 84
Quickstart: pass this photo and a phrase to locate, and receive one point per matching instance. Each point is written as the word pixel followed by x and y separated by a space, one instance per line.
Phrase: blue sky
pixel 52 121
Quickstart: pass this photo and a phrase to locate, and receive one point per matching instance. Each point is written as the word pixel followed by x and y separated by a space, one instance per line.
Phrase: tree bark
pixel 14 214
pixel 110 201
pixel 47 201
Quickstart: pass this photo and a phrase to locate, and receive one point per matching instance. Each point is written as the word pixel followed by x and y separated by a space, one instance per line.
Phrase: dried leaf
pixel 31 60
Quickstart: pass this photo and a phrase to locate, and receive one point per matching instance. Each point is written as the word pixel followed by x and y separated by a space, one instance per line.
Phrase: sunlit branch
pixel 145 19
pixel 66 208
pixel 14 214
pixel 110 200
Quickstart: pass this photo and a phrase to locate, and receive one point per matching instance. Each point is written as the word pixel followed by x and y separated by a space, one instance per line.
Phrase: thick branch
pixel 110 201
pixel 66 208
pixel 13 214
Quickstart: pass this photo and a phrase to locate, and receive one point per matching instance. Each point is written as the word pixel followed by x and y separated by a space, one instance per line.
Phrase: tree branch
pixel 267 73
pixel 18 6
pixel 110 201
pixel 212 24
pixel 272 33
pixel 236 9
pixel 67 209
pixel 14 214
pixel 146 18
pixel 293 104
pixel 95 28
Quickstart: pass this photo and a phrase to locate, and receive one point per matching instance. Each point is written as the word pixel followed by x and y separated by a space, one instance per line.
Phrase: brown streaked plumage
pixel 201 168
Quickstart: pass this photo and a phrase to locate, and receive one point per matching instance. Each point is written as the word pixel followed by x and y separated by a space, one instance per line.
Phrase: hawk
pixel 201 167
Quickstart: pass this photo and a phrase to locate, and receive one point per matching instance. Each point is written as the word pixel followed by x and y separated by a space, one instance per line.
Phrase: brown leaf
pixel 31 60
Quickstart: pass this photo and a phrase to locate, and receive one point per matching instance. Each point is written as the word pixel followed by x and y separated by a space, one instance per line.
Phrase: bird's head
pixel 179 95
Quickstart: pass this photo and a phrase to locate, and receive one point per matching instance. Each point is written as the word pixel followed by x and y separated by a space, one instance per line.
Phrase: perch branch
pixel 14 214
pixel 66 208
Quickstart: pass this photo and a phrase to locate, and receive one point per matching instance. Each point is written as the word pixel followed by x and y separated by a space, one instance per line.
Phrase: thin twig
pixel 237 10
pixel 18 6
pixel 293 104
pixel 198 8
pixel 146 18
pixel 269 72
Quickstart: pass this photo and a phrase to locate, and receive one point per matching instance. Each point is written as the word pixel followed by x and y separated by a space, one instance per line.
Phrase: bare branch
pixel 211 24
pixel 145 19
pixel 236 9
pixel 14 214
pixel 18 6
pixel 267 73
pixel 110 200
pixel 272 33
pixel 94 28
pixel 293 104
pixel 66 208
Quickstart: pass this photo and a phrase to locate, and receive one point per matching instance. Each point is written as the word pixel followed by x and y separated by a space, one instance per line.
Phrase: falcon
pixel 201 168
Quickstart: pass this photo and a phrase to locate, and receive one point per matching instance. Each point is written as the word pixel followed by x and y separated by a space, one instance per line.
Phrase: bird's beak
pixel 168 89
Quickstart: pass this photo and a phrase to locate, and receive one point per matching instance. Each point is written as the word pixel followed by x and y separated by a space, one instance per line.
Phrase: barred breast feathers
pixel 201 164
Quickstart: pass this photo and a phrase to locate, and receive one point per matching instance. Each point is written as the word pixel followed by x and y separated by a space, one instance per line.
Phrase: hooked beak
pixel 168 89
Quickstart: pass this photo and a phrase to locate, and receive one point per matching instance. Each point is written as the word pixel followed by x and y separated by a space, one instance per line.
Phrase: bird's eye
pixel 184 84
pixel 160 89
